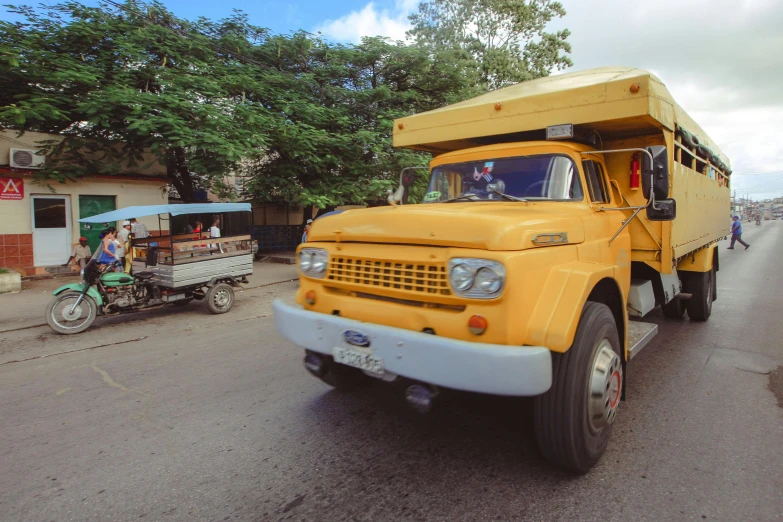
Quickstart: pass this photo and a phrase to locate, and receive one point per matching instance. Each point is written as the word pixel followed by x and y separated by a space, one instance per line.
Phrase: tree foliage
pixel 299 118
pixel 507 39
pixel 118 82
pixel 333 145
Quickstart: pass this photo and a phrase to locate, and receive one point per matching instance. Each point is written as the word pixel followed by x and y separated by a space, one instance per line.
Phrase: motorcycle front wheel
pixel 63 318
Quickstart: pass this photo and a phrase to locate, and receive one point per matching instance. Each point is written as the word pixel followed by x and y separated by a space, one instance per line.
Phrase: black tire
pixel 568 435
pixel 700 287
pixel 344 378
pixel 714 284
pixel 220 298
pixel 84 315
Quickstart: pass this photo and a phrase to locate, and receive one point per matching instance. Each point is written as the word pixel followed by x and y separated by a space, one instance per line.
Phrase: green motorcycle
pixel 106 292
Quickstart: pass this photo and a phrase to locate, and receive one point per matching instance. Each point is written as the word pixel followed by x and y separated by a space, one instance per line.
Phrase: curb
pixel 278 259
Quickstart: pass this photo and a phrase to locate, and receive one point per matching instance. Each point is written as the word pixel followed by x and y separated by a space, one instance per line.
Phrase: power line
pixel 780 178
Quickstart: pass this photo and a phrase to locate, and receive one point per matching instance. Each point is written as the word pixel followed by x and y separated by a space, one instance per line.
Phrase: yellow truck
pixel 558 213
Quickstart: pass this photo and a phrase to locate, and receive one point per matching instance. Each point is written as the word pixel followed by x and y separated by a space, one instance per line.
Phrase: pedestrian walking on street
pixel 736 234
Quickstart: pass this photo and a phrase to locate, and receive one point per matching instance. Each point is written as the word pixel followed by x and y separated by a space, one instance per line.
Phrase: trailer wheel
pixel 700 286
pixel 220 298
pixel 573 420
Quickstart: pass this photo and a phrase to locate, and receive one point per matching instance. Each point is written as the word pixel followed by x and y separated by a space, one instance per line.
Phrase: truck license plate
pixel 357 359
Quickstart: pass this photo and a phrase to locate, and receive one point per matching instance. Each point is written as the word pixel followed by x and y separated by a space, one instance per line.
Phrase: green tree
pixel 116 82
pixel 507 39
pixel 333 145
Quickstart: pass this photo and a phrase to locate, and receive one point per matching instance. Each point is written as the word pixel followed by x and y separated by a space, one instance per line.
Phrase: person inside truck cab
pixel 544 177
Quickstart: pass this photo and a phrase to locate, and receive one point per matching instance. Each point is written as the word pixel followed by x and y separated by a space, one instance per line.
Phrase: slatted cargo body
pixel 197 272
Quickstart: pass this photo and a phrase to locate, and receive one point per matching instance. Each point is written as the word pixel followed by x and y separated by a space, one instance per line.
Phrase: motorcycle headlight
pixel 313 262
pixel 476 278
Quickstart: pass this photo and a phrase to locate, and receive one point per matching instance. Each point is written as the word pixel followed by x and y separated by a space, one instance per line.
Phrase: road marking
pixel 111 382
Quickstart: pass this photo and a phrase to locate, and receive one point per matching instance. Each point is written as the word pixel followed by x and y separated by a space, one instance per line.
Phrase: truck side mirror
pixel 662 210
pixel 658 171
pixel 407 178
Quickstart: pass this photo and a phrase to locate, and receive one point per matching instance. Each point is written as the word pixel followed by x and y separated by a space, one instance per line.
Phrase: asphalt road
pixel 186 416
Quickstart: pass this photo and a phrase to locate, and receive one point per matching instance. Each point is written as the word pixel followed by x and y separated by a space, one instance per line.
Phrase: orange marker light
pixel 477 324
pixel 310 297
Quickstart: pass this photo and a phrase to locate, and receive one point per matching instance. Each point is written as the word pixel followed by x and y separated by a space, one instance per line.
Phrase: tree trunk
pixel 178 174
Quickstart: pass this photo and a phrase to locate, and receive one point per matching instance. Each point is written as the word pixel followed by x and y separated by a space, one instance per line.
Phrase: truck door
pixel 601 196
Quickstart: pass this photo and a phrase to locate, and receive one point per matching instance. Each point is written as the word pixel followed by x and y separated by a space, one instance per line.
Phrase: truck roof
pixel 598 100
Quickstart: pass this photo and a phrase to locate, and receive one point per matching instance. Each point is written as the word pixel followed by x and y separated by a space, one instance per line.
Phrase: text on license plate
pixel 357 359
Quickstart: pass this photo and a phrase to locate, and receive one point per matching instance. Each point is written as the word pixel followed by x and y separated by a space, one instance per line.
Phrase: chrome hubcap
pixel 221 299
pixel 606 380
pixel 65 318
pixel 69 315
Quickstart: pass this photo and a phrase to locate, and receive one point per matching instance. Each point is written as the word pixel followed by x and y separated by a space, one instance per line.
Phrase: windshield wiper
pixel 508 196
pixel 464 197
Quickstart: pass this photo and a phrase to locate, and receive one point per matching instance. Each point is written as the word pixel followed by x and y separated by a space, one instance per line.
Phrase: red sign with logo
pixel 11 188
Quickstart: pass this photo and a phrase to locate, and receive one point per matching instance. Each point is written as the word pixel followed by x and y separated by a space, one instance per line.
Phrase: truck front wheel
pixel 573 420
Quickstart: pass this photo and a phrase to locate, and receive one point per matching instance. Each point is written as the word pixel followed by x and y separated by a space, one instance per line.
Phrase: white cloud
pixel 721 59
pixel 370 21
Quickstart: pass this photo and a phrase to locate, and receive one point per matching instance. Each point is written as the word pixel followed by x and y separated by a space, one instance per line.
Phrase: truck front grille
pixel 412 277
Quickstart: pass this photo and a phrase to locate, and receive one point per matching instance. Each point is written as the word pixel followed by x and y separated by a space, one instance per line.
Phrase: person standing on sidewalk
pixel 123 235
pixel 139 230
pixel 736 234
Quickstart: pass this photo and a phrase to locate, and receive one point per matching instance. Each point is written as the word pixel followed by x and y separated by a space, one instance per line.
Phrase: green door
pixel 90 206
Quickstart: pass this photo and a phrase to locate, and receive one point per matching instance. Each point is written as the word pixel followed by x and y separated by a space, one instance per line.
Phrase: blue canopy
pixel 175 210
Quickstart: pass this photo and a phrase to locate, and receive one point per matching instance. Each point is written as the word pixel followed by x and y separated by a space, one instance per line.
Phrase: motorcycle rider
pixel 108 248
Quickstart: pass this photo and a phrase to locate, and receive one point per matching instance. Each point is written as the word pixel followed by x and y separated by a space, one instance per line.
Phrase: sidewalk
pixel 26 309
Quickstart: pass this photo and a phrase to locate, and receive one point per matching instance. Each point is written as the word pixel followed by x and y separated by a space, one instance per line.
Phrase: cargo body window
pixel 596 183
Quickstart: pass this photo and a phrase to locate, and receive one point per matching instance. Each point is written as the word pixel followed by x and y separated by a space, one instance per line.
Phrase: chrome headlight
pixel 313 262
pixel 476 278
pixel 462 277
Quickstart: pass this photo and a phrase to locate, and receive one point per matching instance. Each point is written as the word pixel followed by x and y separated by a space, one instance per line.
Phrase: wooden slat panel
pixel 217 240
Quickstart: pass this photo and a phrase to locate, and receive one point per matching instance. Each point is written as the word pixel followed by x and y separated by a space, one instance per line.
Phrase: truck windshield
pixel 549 176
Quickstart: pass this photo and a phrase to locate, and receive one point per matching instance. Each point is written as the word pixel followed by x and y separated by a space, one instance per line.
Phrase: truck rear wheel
pixel 700 285
pixel 573 420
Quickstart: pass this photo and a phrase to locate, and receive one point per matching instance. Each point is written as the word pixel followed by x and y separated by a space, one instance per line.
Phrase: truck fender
pixel 79 287
pixel 700 261
pixel 558 310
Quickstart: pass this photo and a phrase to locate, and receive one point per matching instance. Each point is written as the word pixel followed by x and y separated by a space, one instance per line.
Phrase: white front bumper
pixel 460 365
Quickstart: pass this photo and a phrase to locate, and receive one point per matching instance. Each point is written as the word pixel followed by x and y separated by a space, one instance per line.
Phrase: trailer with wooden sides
pixel 558 213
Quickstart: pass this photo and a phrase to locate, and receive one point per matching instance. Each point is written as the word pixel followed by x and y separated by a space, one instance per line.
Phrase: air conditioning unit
pixel 26 159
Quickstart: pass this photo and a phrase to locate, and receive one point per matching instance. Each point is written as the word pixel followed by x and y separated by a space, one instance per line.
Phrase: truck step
pixel 639 334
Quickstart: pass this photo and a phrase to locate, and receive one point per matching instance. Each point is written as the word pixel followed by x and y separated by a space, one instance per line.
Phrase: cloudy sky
pixel 721 59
